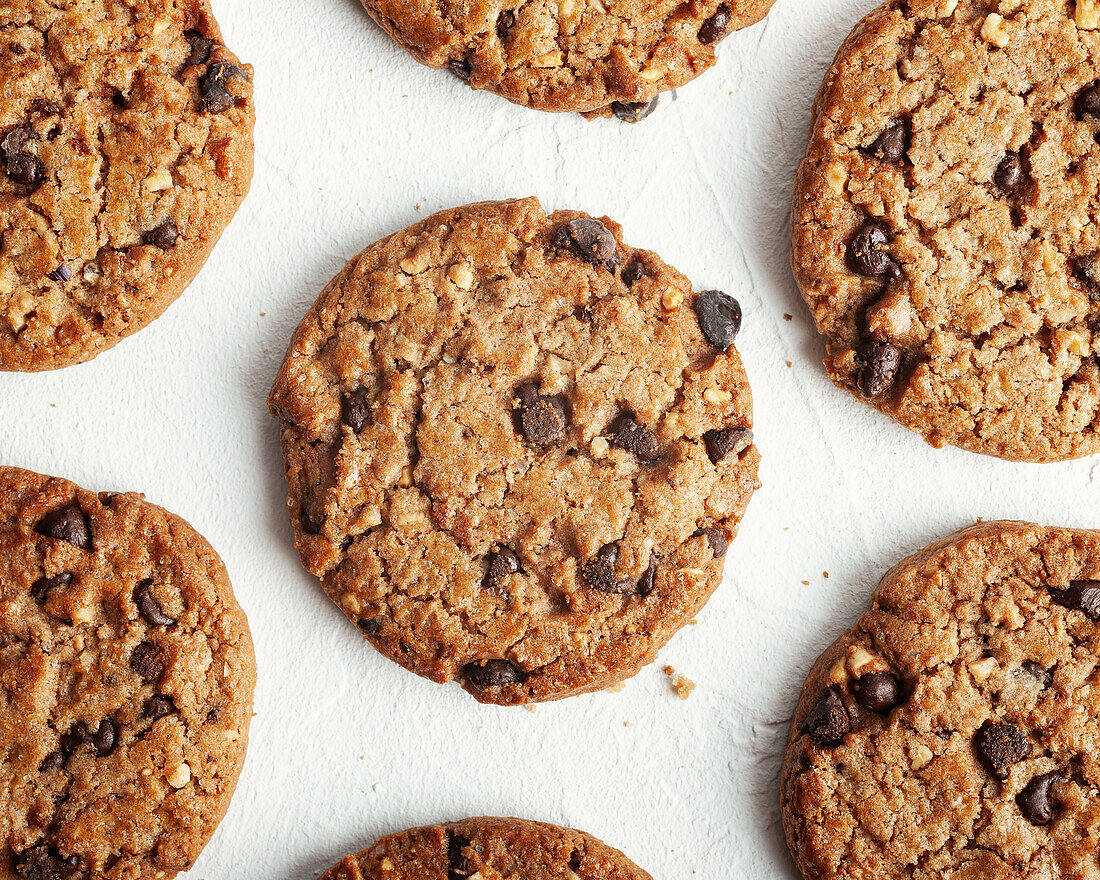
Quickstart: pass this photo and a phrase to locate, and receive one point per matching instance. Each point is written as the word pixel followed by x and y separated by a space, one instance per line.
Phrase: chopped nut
pixel 406 479
pixel 982 669
pixel 83 614
pixel 179 775
pixel 836 175
pixel 387 864
pixel 92 273
pixel 159 180
pixel 352 603
pixel 160 26
pixel 672 298
pixel 890 318
pixel 860 662
pixel 418 261
pixel 994 31
pixel 567 8
pixel 549 59
pixel 946 7
pixel 839 673
pixel 1087 15
pixel 461 275
pixel 600 447
pixel 20 307
pixel 1078 342
pixel 717 396
pixel 232 736
pixel 919 756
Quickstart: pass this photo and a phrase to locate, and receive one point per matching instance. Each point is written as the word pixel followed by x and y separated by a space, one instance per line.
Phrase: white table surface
pixel 356 140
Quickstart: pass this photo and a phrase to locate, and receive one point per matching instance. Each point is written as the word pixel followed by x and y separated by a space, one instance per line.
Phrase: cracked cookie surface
pixel 944 222
pixel 569 55
pixel 514 457
pixel 125 149
pixel 488 849
pixel 952 732
pixel 126 679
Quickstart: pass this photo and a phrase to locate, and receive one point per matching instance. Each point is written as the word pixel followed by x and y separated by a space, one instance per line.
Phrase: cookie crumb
pixel 682 686
pixel 787 317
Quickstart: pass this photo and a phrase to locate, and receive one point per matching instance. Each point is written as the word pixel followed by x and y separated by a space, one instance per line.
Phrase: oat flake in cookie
pixel 125 148
pixel 126 679
pixel 569 55
pixel 952 732
pixel 944 228
pixel 514 457
pixel 488 849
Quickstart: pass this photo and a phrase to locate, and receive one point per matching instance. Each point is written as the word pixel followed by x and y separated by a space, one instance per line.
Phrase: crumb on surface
pixel 787 317
pixel 682 686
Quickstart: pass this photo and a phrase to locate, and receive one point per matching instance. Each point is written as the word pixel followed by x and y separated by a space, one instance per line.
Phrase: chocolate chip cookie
pixel 569 55
pixel 488 849
pixel 126 679
pixel 951 733
pixel 943 227
pixel 125 148
pixel 517 448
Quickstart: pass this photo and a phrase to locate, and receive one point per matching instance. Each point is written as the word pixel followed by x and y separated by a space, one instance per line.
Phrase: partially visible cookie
pixel 953 732
pixel 570 55
pixel 944 228
pixel 125 149
pixel 516 448
pixel 488 849
pixel 126 679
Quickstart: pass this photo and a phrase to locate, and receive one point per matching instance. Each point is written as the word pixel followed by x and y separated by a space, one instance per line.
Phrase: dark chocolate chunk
pixel 163 237
pixel 636 438
pixel 67 523
pixel 502 562
pixel 1087 102
pixel 354 410
pixel 828 721
pixel 590 240
pixel 200 48
pixel 493 673
pixel 21 165
pixel 458 866
pixel 1034 800
pixel 1001 746
pixel 541 418
pixel 1044 676
pixel 148 607
pixel 1082 596
pixel 892 145
pixel 1085 270
pixel 599 573
pixel 157 707
pixel 369 627
pixel 42 862
pixel 1009 175
pixel 648 581
pixel 44 584
pixel 105 738
pixel 879 365
pixel 61 274
pixel 717 539
pixel 719 444
pixel 309 525
pixel 216 98
pixel 715 27
pixel 719 316
pixel 634 272
pixel 461 68
pixel 633 112
pixel 148 661
pixel 505 22
pixel 867 255
pixel 878 691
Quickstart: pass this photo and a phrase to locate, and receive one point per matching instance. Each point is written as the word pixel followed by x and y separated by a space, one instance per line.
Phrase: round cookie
pixel 488 849
pixel 943 232
pixel 126 679
pixel 514 457
pixel 952 732
pixel 125 149
pixel 572 55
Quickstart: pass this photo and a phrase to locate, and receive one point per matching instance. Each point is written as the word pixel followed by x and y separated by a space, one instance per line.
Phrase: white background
pixel 356 140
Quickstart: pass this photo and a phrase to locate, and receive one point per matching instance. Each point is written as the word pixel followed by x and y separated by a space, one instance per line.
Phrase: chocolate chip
pixel 461 68
pixel 505 22
pixel 892 145
pixel 502 562
pixel 21 165
pixel 1085 270
pixel 1043 676
pixel 878 691
pixel 634 272
pixel 215 97
pixel 493 673
pixel 52 762
pixel 67 523
pixel 541 418
pixel 636 438
pixel 633 112
pixel 1087 102
pixel 354 410
pixel 590 240
pixel 828 721
pixel 150 611
pixel 1010 173
pixel 42 862
pixel 61 274
pixel 309 525
pixel 648 581
pixel 163 237
pixel 105 738
pixel 43 585
pixel 879 365
pixel 157 707
pixel 719 444
pixel 600 573
pixel 866 254
pixel 1034 800
pixel 458 866
pixel 1001 745
pixel 719 316
pixel 1081 596
pixel 200 48
pixel 16 49
pixel 148 661
pixel 717 539
pixel 715 27
pixel 369 627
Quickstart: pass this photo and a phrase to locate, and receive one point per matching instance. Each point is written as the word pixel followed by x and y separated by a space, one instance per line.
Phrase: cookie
pixel 126 679
pixel 488 849
pixel 125 148
pixel 572 55
pixel 516 448
pixel 952 732
pixel 943 229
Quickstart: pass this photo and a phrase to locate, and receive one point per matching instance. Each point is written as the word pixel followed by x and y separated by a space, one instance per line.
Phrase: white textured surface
pixel 355 140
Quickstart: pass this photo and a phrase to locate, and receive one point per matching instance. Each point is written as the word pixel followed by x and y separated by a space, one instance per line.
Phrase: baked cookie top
pixel 126 679
pixel 943 230
pixel 125 148
pixel 570 55
pixel 488 849
pixel 516 448
pixel 952 732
